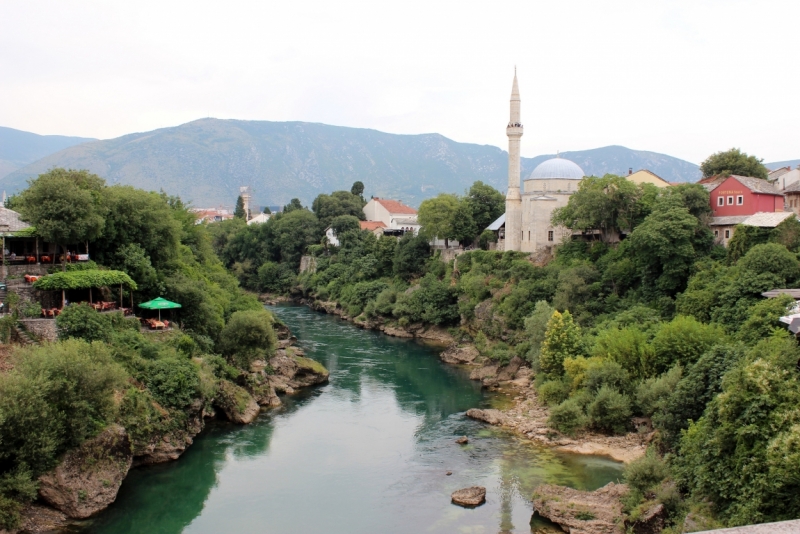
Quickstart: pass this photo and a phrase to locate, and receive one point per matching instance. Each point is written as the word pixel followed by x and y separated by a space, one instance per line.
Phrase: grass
pixel 313 365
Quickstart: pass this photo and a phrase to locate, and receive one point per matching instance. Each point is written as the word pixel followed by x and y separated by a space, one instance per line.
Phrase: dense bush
pixel 173 382
pixel 568 417
pixel 610 411
pixel 248 336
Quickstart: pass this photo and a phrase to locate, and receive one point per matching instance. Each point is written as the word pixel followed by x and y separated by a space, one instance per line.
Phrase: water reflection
pixel 367 452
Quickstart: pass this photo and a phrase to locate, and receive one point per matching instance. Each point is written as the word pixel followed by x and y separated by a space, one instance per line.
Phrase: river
pixel 368 452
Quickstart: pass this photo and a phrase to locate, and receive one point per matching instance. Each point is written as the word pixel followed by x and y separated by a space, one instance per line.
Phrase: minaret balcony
pixel 514 129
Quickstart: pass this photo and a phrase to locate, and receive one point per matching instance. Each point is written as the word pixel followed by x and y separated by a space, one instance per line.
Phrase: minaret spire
pixel 513 240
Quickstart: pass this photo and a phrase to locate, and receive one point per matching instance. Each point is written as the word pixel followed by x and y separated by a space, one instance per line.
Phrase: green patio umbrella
pixel 159 304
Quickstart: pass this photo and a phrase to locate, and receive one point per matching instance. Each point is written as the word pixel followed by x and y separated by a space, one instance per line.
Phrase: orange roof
pixel 395 206
pixel 371 225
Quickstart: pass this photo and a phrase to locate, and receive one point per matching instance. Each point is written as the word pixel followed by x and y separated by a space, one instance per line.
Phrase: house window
pixel 529 235
pixel 740 200
pixel 716 233
pixel 727 234
pixel 730 201
pixel 549 235
pixel 720 201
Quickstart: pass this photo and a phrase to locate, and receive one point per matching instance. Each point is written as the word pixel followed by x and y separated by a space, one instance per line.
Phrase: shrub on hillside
pixel 553 392
pixel 610 411
pixel 683 340
pixel 81 321
pixel 562 340
pixel 173 382
pixel 568 417
pixel 248 336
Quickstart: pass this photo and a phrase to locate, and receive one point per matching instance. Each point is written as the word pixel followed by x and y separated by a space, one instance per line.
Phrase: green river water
pixel 365 453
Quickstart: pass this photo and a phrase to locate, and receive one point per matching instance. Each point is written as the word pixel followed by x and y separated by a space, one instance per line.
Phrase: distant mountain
pixel 18 148
pixel 206 161
pixel 793 163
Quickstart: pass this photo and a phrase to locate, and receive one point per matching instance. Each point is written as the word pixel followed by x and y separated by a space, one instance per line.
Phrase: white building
pixel 393 214
pixel 261 218
pixel 526 226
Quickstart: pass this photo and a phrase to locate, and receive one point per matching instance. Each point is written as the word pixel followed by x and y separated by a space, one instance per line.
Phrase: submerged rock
pixel 88 478
pixel 463 440
pixel 582 512
pixel 474 496
pixel 459 355
pixel 491 416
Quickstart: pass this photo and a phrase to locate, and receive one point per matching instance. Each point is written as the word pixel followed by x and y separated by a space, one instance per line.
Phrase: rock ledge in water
pixel 463 440
pixel 474 496
pixel 491 416
pixel 582 512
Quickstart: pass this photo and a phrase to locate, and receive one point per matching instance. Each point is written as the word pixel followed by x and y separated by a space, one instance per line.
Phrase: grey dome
pixel 557 168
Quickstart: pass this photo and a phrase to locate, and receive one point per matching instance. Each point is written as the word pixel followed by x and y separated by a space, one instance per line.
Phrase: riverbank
pixel 526 416
pixel 88 478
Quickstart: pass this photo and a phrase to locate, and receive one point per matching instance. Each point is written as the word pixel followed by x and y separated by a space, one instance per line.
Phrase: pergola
pixel 85 279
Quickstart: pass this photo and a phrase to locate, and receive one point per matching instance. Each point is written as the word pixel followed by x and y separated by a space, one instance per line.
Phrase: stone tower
pixel 513 239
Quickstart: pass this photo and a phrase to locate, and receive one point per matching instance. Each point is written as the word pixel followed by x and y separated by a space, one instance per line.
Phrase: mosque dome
pixel 557 168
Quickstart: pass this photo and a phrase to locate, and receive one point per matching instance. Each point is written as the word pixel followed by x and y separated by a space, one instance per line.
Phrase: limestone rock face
pixel 236 403
pixel 582 512
pixel 491 416
pixel 292 370
pixel 651 522
pixel 88 478
pixel 396 332
pixel 168 447
pixel 459 355
pixel 482 373
pixel 468 497
pixel 509 371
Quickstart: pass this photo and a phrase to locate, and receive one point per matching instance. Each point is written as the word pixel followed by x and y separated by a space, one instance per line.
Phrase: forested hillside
pixel 206 161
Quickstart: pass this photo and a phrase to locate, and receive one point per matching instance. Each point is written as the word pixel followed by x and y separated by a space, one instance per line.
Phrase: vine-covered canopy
pixel 83 280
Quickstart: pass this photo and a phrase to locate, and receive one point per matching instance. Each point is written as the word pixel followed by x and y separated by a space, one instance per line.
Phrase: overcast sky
pixel 686 78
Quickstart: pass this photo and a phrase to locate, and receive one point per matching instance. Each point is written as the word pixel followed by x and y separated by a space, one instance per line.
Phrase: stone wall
pixel 308 263
pixel 41 328
pixel 39 269
pixel 450 254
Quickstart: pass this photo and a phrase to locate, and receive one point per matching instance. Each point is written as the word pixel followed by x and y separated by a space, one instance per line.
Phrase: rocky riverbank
pixel 88 478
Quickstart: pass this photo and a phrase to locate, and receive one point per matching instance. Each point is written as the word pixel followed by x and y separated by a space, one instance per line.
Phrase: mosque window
pixel 549 235
pixel 529 235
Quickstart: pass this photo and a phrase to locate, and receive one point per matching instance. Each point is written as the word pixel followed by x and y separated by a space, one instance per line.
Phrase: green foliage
pixel 742 454
pixel 339 203
pixel 653 394
pixel 608 204
pixel 630 347
pixel 289 233
pixel 411 256
pixel 84 280
pixel 65 206
pixel 248 336
pixel 464 230
pixel 733 161
pixel 486 238
pixel 238 212
pixel 293 205
pixel 436 216
pixel 535 329
pixel 357 189
pixel 16 487
pixel 562 340
pixel 610 411
pixel 486 204
pixel 553 392
pixel 645 473
pixel 81 321
pixel 683 340
pixel 568 417
pixel 433 302
pixel 344 223
pixel 275 277
pixel 762 320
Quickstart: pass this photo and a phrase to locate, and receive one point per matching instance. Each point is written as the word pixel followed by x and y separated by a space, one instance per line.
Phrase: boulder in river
pixel 582 512
pixel 491 416
pixel 463 440
pixel 468 497
pixel 88 478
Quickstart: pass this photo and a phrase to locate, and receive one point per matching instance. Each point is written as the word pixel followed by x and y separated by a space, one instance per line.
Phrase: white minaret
pixel 513 197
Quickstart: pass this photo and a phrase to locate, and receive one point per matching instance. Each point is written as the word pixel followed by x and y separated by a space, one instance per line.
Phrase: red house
pixel 745 195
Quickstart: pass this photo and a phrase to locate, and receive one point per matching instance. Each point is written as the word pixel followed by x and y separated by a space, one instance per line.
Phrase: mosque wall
pixel 554 185
pixel 537 231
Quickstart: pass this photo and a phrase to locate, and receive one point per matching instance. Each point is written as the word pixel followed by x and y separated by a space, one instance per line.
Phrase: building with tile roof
pixel 644 176
pixel 393 214
pixel 744 195
pixel 724 227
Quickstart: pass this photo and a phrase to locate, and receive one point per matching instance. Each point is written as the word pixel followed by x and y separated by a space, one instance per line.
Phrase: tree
pixel 239 212
pixel 357 189
pixel 293 204
pixel 248 336
pixel 562 340
pixel 486 204
pixel 267 210
pixel 435 215
pixel 411 255
pixel 328 207
pixel 289 234
pixel 464 229
pixel 608 204
pixel 344 223
pixel 65 206
pixel 733 161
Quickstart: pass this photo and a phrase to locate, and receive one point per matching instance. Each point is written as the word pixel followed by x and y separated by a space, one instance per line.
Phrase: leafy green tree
pixel 762 320
pixel 486 238
pixel 239 212
pixel 338 203
pixel 683 340
pixel 486 204
pixel 81 321
pixel 65 206
pixel 412 254
pixel 345 223
pixel 535 328
pixel 435 215
pixel 610 411
pixel 464 229
pixel 562 340
pixel 289 234
pixel 293 205
pixel 733 161
pixel 247 337
pixel 385 250
pixel 609 204
pixel 666 245
pixel 267 210
pixel 629 347
pixel 357 189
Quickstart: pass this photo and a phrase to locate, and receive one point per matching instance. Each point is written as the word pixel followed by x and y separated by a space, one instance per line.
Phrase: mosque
pixel 525 226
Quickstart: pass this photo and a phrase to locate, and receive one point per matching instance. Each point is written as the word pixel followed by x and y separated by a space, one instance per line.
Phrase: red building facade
pixel 744 195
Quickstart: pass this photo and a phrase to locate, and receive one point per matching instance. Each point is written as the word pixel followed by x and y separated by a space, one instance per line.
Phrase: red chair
pixel 46 259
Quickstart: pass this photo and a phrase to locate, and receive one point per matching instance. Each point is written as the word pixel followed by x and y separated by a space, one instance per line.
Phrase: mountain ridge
pixel 207 160
pixel 19 148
